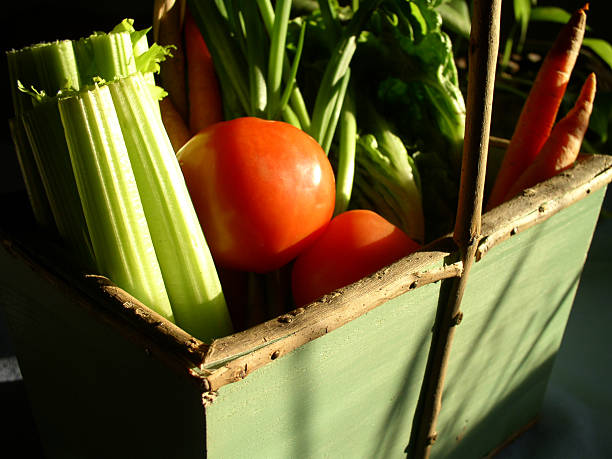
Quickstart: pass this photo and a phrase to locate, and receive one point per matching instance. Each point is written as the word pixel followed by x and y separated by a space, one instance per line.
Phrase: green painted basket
pixel 361 373
pixel 107 377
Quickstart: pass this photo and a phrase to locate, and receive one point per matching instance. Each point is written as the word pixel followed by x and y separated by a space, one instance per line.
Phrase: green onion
pixel 346 156
pixel 330 95
pixel 255 38
pixel 277 53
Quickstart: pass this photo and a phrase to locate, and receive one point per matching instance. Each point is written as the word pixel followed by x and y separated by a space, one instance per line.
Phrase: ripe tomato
pixel 355 244
pixel 262 191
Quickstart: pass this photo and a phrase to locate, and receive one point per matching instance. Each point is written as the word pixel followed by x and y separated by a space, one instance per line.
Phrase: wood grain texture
pixel 515 311
pixel 292 384
pixel 95 393
pixel 349 393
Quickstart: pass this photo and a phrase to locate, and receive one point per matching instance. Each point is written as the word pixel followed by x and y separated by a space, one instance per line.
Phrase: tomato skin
pixel 355 244
pixel 262 191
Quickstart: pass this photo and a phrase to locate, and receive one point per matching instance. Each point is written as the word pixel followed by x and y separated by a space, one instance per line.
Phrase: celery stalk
pixel 111 202
pixel 35 190
pixel 56 67
pixel 21 67
pixel 186 263
pixel 45 132
pixel 49 68
pixel 105 56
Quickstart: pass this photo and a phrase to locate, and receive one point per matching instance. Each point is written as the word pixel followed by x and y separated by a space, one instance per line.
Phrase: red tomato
pixel 355 244
pixel 262 191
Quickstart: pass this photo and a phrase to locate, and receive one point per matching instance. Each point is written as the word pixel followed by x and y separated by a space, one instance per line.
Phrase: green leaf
pixel 550 14
pixel 522 13
pixel 600 47
pixel 456 17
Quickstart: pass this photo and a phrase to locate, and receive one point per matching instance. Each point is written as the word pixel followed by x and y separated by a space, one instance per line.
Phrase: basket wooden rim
pixel 231 358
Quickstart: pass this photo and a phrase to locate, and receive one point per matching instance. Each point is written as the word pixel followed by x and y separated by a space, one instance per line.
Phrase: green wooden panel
pixel 350 393
pixel 515 310
pixel 93 392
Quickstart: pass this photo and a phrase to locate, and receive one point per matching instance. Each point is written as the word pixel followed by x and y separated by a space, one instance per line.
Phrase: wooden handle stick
pixel 484 44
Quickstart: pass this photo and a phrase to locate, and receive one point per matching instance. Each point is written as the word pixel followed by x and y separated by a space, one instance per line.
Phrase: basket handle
pixel 482 59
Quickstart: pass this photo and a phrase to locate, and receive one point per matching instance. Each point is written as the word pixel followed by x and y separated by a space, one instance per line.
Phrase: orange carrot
pixel 540 110
pixel 173 122
pixel 168 21
pixel 563 145
pixel 205 106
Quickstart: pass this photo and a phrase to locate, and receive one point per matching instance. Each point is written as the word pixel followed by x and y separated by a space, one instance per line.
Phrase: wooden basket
pixel 359 373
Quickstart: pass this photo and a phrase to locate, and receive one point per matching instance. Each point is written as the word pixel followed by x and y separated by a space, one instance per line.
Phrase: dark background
pixel 575 420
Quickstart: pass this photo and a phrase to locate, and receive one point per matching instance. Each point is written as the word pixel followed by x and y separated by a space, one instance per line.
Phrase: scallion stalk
pixel 277 54
pixel 346 156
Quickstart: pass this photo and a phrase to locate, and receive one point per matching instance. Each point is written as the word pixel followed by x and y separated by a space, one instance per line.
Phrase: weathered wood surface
pixel 255 347
pixel 515 310
pixel 246 352
pixel 482 63
pixel 355 358
pixel 349 393
pixel 95 392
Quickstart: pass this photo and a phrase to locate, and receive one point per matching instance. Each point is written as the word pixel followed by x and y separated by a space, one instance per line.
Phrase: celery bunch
pixel 87 113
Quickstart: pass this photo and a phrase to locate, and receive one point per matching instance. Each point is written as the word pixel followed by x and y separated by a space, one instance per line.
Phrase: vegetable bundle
pixel 539 149
pixel 92 123
pixel 374 84
pixel 343 75
pixel 298 146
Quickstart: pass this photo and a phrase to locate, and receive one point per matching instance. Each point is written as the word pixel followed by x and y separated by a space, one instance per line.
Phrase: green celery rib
pixel 105 56
pixel 31 176
pixel 56 67
pixel 45 133
pixel 113 210
pixel 186 263
pixel 44 68
pixel 22 68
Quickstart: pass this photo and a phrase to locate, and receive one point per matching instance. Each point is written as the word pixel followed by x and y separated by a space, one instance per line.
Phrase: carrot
pixel 540 110
pixel 175 125
pixel 563 145
pixel 168 22
pixel 205 106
